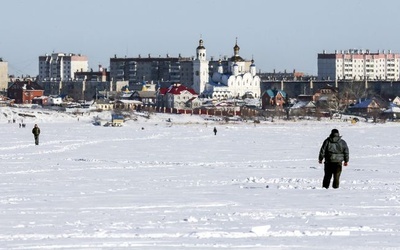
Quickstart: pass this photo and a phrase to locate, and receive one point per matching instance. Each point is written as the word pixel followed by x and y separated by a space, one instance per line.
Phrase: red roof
pixel 176 90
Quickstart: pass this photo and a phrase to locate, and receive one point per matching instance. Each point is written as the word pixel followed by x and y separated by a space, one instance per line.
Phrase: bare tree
pixel 353 90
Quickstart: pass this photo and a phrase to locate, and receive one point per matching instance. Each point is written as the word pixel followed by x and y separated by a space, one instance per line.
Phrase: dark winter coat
pixel 36 131
pixel 334 149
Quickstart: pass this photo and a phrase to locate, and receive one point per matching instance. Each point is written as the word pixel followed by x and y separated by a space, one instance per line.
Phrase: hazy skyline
pixel 279 35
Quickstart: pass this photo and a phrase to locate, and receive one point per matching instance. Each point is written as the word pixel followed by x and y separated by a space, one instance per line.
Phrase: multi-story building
pixel 355 64
pixel 186 72
pixel 101 76
pixel 138 69
pixel 3 75
pixel 61 66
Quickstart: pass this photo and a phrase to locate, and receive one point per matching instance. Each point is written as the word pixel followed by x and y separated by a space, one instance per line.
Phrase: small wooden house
pixel 177 96
pixel 273 97
pixel 23 92
pixel 367 107
pixel 104 105
pixel 303 108
pixel 117 120
pixel 127 105
pixel 396 101
pixel 326 94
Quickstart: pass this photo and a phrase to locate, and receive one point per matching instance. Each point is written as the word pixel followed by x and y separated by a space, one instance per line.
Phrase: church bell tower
pixel 200 69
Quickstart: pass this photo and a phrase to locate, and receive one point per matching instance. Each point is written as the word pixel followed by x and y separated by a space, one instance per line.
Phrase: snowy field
pixel 151 184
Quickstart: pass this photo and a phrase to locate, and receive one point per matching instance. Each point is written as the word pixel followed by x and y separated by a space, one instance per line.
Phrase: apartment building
pixel 102 75
pixel 61 66
pixel 3 75
pixel 137 69
pixel 356 64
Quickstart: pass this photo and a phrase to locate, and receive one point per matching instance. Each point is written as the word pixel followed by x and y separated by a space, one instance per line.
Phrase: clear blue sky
pixel 279 34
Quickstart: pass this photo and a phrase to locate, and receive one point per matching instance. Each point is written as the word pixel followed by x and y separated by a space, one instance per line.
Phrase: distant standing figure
pixel 215 131
pixel 335 151
pixel 36 133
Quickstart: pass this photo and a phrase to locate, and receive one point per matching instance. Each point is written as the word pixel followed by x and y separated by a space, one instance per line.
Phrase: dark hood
pixel 334 137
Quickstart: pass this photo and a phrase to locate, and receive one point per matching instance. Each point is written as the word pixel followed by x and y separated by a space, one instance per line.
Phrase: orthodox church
pixel 237 79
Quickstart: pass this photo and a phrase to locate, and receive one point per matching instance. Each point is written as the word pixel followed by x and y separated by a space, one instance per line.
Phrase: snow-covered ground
pixel 152 184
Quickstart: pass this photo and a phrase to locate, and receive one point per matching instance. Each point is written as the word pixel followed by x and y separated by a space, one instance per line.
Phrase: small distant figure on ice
pixel 36 133
pixel 215 131
pixel 335 151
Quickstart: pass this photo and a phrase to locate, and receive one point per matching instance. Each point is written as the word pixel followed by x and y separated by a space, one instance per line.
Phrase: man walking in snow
pixel 36 133
pixel 335 151
pixel 215 131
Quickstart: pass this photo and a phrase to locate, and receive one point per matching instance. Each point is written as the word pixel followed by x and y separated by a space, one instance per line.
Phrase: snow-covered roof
pixel 304 104
pixel 41 97
pixel 393 109
pixel 126 94
pixel 130 101
pixel 324 98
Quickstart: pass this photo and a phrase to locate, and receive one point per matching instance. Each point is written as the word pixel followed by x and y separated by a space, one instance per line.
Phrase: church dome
pixel 201 46
pixel 237 58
